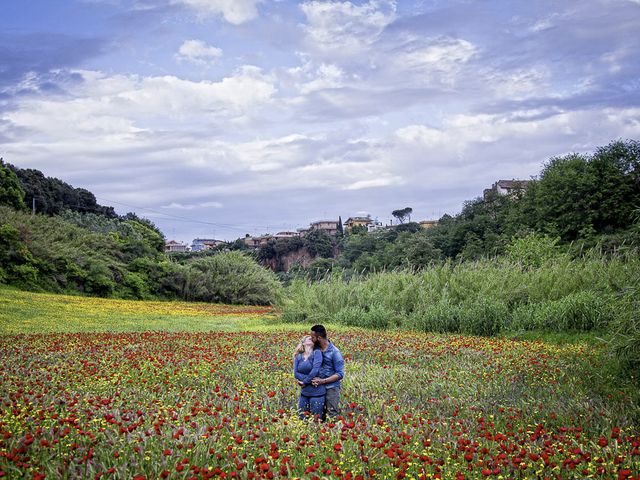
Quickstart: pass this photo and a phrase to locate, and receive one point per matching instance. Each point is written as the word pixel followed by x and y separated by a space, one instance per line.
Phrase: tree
pixel 11 194
pixel 579 196
pixel 403 214
pixel 340 227
pixel 411 249
pixel 52 196
pixel 318 244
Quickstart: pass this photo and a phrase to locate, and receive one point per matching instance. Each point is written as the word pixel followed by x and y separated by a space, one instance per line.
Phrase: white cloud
pixel 520 84
pixel 310 78
pixel 436 52
pixel 180 206
pixel 432 61
pixel 376 182
pixel 422 134
pixel 351 41
pixel 198 52
pixel 130 104
pixel 233 11
pixel 345 29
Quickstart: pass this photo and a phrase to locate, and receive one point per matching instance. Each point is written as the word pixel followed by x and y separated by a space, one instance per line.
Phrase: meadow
pixel 27 312
pixel 94 388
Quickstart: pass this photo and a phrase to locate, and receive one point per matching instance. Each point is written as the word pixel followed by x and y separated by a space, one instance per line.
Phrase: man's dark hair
pixel 319 330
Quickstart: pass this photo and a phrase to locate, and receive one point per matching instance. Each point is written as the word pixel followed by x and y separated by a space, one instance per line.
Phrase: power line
pixel 240 227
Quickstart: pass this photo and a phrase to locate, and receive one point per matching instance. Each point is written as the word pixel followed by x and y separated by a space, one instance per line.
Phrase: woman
pixel 306 366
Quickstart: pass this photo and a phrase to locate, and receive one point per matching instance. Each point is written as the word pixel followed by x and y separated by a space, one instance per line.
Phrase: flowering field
pixel 160 404
pixel 27 312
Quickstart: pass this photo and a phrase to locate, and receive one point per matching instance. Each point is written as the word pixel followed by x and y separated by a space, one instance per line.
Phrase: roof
pixel 358 219
pixel 324 221
pixel 512 183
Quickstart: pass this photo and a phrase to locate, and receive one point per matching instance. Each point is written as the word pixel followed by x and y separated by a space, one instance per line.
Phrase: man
pixel 331 371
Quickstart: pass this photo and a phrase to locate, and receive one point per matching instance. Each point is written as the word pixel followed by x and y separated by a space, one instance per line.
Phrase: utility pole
pixel 33 206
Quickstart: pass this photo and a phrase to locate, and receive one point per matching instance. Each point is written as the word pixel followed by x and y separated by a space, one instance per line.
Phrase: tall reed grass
pixel 482 298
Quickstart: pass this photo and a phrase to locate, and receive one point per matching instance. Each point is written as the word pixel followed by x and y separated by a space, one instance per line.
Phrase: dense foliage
pixel 11 193
pixel 578 201
pixel 52 196
pixel 118 257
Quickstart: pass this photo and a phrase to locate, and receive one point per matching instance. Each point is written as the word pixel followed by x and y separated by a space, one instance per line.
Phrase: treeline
pixel 52 196
pixel 580 200
pixel 74 246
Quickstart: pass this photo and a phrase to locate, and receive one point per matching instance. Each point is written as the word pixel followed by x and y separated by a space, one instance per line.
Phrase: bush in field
pixel 352 315
pixel 230 277
pixel 533 250
pixel 83 253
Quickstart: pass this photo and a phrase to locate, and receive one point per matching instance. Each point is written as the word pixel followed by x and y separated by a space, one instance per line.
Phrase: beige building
pixel 357 222
pixel 330 227
pixel 255 242
pixel 173 246
pixel 428 223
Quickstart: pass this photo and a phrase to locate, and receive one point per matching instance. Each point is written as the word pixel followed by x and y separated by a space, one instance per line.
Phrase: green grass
pixel 28 312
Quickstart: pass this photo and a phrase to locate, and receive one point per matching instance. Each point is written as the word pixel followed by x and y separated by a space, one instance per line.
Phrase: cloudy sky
pixel 216 118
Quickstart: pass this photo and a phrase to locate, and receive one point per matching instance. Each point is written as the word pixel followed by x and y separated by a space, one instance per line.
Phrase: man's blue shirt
pixel 332 362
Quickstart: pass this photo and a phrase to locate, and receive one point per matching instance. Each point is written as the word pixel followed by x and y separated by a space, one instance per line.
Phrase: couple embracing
pixel 318 367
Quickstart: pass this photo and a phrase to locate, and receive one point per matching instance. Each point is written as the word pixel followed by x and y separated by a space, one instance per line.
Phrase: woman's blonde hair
pixel 300 348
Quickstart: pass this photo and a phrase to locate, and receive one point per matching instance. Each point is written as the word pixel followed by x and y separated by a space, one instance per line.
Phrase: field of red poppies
pixel 221 405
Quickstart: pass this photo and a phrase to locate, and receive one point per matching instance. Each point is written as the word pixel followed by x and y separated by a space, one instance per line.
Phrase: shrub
pixel 231 277
pixel 136 285
pixel 533 250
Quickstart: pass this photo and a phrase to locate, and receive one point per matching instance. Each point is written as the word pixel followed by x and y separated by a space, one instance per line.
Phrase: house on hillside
pixel 173 246
pixel 330 227
pixel 357 222
pixel 256 242
pixel 375 226
pixel 507 187
pixel 286 235
pixel 428 223
pixel 200 244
